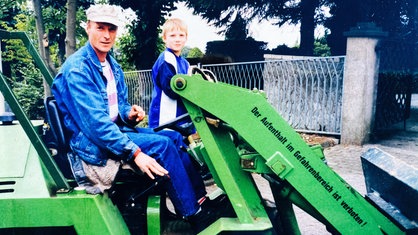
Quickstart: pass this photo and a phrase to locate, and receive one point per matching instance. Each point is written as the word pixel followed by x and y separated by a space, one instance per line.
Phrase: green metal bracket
pixel 238 184
pixel 153 215
pixel 279 164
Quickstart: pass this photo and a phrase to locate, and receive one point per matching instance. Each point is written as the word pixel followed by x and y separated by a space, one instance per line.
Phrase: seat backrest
pixel 55 121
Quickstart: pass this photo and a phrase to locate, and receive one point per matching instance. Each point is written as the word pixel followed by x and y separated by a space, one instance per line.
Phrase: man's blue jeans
pixel 185 186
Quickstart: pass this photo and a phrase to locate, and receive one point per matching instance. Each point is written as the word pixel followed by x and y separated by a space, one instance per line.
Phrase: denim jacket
pixel 80 91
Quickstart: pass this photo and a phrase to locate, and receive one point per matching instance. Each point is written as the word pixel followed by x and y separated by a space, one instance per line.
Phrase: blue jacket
pixel 165 104
pixel 80 91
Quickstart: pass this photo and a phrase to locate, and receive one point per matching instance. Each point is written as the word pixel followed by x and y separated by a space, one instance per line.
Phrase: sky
pixel 200 32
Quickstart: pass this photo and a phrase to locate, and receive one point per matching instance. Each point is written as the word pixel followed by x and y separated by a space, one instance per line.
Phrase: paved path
pixel 345 160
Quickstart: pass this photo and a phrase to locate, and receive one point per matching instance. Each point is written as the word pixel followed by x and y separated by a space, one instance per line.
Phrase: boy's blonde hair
pixel 174 24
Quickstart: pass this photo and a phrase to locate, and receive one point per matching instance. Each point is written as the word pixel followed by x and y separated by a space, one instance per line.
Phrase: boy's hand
pixel 136 114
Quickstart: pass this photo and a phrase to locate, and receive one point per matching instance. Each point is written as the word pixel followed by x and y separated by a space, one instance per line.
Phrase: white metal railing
pixel 306 92
pixel 140 86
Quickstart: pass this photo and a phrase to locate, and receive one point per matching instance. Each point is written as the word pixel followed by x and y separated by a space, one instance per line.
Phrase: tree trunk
pixel 415 35
pixel 43 43
pixel 307 26
pixel 70 27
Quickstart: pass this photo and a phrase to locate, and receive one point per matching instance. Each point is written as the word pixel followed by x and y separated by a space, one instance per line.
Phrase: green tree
pixel 185 51
pixel 285 50
pixel 55 21
pixel 24 78
pixel 195 52
pixel 321 47
pixel 395 17
pixel 344 14
pixel 126 44
pixel 5 8
pixel 306 12
pixel 399 18
pixel 9 9
pixel 237 30
pixel 151 14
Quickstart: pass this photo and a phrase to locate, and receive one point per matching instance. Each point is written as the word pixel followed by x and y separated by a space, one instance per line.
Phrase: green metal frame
pixel 316 187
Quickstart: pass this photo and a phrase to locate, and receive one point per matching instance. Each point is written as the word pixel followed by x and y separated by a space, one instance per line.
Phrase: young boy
pixel 167 105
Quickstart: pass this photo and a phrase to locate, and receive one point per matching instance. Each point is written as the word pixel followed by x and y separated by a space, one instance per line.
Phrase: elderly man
pixel 92 96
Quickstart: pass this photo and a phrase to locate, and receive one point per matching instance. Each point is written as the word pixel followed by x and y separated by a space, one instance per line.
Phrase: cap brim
pixel 104 19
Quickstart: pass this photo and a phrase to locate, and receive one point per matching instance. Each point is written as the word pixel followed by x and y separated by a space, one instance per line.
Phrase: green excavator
pixel 240 135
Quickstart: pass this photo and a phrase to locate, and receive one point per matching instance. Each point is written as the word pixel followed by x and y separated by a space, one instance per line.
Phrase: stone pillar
pixel 360 83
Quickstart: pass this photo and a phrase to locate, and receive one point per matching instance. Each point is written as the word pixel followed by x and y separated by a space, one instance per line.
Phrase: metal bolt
pixel 180 83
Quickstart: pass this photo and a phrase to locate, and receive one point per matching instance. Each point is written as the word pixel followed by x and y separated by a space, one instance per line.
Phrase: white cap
pixel 105 13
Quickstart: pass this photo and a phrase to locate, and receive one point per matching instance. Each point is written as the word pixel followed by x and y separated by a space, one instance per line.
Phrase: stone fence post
pixel 360 83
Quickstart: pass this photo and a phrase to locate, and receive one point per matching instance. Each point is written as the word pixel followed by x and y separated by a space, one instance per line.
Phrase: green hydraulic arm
pixel 217 110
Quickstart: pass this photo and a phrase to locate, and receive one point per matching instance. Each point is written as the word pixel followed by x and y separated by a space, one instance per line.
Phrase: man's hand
pixel 136 114
pixel 149 165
